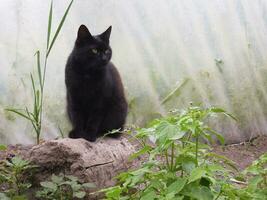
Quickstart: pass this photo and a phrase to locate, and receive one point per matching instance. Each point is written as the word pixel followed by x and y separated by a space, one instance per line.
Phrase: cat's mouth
pixel 105 61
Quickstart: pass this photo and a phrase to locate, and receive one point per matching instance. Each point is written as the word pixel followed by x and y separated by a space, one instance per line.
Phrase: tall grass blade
pixel 18 113
pixel 49 25
pixel 176 92
pixel 38 99
pixel 61 132
pixel 59 28
pixel 220 110
pixel 35 97
pixel 33 122
pixel 33 88
pixel 39 68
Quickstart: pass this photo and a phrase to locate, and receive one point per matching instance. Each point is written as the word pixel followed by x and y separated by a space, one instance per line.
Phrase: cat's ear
pixel 83 33
pixel 106 34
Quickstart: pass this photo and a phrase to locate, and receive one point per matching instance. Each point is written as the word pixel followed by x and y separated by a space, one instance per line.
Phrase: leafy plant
pixel 14 176
pixel 179 165
pixel 35 116
pixel 63 187
pixel 256 174
pixel 3 196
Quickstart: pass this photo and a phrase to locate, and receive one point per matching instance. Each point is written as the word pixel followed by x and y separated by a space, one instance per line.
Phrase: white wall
pixel 156 44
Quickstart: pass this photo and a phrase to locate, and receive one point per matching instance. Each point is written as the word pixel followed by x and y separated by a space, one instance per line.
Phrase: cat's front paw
pixel 74 134
pixel 90 138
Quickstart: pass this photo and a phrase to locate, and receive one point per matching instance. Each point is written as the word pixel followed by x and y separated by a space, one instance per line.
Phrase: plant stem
pixel 167 159
pixel 41 102
pixel 172 157
pixel 219 195
pixel 17 183
pixel 196 151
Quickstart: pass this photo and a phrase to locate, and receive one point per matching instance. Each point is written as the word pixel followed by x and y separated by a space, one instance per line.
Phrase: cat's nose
pixel 104 57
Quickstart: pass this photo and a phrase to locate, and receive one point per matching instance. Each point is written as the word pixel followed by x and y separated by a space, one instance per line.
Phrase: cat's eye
pixel 107 51
pixel 94 51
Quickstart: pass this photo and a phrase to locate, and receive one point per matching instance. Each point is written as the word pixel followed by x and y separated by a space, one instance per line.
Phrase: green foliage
pixel 63 187
pixel 35 115
pixel 179 165
pixel 3 147
pixel 14 176
pixel 3 196
pixel 256 174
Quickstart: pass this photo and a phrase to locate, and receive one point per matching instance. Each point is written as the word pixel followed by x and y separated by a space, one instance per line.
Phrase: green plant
pixel 63 187
pixel 179 165
pixel 35 116
pixel 14 176
pixel 3 147
pixel 3 196
pixel 256 175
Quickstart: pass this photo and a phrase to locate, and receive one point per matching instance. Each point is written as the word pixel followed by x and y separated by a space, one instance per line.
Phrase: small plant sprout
pixel 15 173
pixel 63 187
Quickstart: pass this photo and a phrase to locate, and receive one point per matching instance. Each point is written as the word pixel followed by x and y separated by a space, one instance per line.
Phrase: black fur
pixel 95 98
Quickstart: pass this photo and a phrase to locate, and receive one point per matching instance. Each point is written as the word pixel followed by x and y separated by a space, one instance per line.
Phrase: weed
pixel 63 187
pixel 14 176
pixel 35 116
pixel 179 165
pixel 256 174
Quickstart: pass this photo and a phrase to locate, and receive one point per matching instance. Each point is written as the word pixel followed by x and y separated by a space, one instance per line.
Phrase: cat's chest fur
pixel 93 87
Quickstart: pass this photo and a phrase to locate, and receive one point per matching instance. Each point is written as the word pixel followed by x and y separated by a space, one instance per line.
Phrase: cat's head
pixel 93 50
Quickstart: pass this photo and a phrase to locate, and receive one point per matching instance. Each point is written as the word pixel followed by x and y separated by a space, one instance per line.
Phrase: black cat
pixel 95 97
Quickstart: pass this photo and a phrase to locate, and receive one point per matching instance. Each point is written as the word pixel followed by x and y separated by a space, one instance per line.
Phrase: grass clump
pixel 34 115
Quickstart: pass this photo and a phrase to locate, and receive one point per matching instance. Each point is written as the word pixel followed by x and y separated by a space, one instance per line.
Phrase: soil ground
pixel 245 153
pixel 242 154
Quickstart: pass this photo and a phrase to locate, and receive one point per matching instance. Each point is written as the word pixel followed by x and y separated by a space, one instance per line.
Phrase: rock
pixel 91 162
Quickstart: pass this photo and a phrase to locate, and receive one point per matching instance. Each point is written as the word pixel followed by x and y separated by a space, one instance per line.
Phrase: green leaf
pixel 3 147
pixel 219 136
pixel 149 195
pixel 19 162
pixel 59 28
pixel 223 158
pixel 49 185
pixel 49 24
pixel 196 191
pixel 72 178
pixel 166 130
pixel 37 54
pixel 113 192
pixel 20 197
pixel 188 162
pixel 220 110
pixel 88 185
pixel 3 196
pixel 57 179
pixel 74 185
pixel 196 174
pixel 142 151
pixel 217 110
pixel 253 182
pixel 80 194
pixel 177 185
pixel 18 113
pixel 202 193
